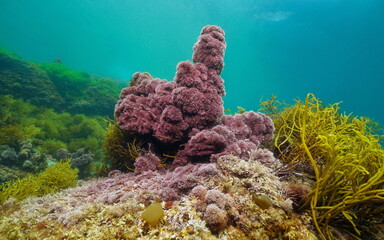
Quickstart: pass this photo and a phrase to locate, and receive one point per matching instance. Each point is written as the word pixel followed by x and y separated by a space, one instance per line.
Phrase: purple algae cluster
pixel 187 113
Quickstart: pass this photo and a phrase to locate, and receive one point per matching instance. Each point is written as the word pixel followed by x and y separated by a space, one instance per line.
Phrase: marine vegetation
pixel 82 92
pixel 56 86
pixel 53 179
pixel 201 174
pixel 208 175
pixel 343 154
pixel 9 174
pixel 25 80
pixel 31 137
pixel 48 129
pixel 121 149
pixel 15 127
pixel 82 159
pixel 185 118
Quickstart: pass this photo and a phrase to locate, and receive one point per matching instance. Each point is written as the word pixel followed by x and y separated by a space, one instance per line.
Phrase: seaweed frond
pixel 53 179
pixel 344 155
pixel 121 149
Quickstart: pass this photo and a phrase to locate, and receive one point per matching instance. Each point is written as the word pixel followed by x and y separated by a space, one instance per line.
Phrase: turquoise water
pixel 332 48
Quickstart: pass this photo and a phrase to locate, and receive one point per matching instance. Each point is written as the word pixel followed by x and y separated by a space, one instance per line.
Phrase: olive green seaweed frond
pixel 120 148
pixel 53 179
pixel 347 161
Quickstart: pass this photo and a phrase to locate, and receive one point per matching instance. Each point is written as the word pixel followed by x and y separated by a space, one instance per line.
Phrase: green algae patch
pixel 51 180
pixel 153 213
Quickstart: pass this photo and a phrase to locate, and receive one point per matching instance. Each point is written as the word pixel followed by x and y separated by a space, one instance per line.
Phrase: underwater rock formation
pixel 18 161
pixel 8 155
pixel 25 157
pixel 56 86
pixel 171 111
pixel 189 110
pixel 80 159
pixel 220 184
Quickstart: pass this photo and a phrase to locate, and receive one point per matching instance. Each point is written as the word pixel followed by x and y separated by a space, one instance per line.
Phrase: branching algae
pixel 346 159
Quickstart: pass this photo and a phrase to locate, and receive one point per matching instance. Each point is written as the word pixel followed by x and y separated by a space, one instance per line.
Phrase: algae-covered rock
pixel 23 157
pixel 81 159
pixel 8 174
pixel 56 86
pixel 25 80
pixel 8 155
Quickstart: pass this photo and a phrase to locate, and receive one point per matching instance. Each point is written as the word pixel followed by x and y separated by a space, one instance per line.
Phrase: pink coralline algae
pixel 147 162
pixel 237 135
pixel 210 49
pixel 186 116
pixel 215 218
pixel 169 111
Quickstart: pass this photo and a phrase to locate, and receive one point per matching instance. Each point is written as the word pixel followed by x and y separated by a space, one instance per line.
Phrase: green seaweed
pixel 51 180
pixel 82 92
pixel 120 148
pixel 15 126
pixel 48 129
pixel 57 86
pixel 240 110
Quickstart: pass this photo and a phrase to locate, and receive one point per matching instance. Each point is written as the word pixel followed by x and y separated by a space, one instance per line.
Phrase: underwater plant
pixel 9 174
pixel 53 179
pixel 120 148
pixel 48 129
pixel 183 120
pixel 82 92
pixel 26 80
pixel 171 111
pixel 56 86
pixel 30 137
pixel 82 160
pixel 15 126
pixel 343 155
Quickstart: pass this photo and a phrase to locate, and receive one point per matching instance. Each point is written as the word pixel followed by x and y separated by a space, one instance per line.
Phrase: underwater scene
pixel 127 119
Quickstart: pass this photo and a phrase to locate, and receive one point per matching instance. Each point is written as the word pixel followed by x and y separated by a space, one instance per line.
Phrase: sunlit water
pixel 332 48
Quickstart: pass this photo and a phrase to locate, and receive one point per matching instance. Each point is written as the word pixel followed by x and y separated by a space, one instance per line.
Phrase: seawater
pixel 332 48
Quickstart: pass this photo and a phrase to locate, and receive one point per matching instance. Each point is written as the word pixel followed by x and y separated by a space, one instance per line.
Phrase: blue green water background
pixel 332 48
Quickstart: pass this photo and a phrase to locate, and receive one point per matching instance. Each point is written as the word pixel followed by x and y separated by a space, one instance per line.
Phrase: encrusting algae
pixel 112 208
